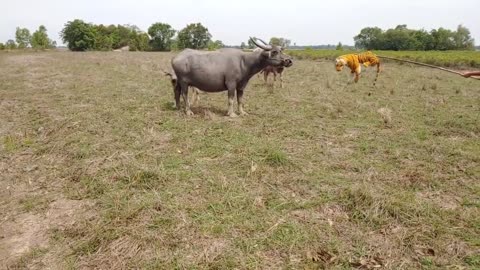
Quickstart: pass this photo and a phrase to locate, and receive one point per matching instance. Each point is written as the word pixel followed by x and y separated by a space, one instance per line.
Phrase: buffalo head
pixel 273 54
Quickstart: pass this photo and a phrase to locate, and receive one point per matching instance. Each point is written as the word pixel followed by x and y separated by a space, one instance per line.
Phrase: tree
pixel 462 39
pixel 23 37
pixel 398 39
pixel 250 43
pixel 369 38
pixel 243 46
pixel 79 36
pixel 194 36
pixel 215 45
pixel 442 39
pixel 275 41
pixel 122 35
pixel 103 37
pixel 139 42
pixel 422 41
pixel 10 45
pixel 279 41
pixel 339 46
pixel 2 46
pixel 162 36
pixel 40 39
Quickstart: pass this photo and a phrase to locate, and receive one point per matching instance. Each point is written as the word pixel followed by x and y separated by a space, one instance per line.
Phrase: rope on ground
pixel 423 64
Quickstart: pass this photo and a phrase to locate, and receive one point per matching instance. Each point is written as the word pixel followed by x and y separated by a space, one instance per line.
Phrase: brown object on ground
pixel 466 75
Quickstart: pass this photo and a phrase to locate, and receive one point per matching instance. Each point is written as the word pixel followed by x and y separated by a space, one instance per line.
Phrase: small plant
pixel 275 157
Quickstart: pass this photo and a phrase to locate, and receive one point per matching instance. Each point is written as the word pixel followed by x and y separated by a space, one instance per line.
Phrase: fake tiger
pixel 353 61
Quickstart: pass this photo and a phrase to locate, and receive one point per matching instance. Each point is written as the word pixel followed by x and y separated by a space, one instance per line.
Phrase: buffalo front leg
pixel 231 97
pixel 240 102
pixel 281 80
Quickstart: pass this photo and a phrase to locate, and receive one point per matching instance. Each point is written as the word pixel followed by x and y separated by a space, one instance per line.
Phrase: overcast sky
pixel 305 22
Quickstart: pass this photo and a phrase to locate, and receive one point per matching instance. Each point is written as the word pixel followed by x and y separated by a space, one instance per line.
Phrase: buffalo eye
pixel 274 53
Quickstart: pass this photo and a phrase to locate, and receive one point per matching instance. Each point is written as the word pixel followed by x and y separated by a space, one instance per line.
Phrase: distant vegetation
pixel 442 58
pixel 82 36
pixel 401 39
pixel 23 39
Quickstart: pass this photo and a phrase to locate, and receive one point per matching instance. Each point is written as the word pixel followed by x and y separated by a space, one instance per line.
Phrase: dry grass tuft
pixel 386 115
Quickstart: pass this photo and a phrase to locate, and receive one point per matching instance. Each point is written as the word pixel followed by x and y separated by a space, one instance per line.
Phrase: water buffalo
pixel 223 70
pixel 275 70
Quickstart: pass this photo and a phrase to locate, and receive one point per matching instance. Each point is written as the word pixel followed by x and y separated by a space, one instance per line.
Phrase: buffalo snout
pixel 287 62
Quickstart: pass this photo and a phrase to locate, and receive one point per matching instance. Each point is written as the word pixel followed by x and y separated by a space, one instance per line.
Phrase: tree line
pixel 82 36
pixel 402 38
pixel 23 39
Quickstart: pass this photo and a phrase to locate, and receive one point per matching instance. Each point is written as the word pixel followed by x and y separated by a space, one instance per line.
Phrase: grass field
pixel 97 170
pixel 455 59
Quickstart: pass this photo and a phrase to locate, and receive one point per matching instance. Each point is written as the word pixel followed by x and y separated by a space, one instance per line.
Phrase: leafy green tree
pixel 139 42
pixel 280 41
pixel 215 45
pixel 162 36
pixel 422 41
pixel 194 36
pixel 123 34
pixel 250 43
pixel 369 38
pixel 339 46
pixel 463 39
pixel 10 44
pixel 79 36
pixel 243 46
pixel 40 39
pixel 103 37
pixel 442 39
pixel 23 37
pixel 275 41
pixel 398 39
pixel 2 46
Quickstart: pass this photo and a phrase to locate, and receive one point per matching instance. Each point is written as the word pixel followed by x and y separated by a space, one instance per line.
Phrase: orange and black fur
pixel 353 61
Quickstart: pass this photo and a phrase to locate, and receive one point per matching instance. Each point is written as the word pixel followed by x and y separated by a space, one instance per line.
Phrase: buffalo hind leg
pixel 177 91
pixel 184 90
pixel 240 102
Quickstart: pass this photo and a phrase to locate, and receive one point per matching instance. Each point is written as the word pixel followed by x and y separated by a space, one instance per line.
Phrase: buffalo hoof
pixel 243 113
pixel 232 114
pixel 189 113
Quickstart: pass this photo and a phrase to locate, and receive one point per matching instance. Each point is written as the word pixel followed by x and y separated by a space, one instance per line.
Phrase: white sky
pixel 305 22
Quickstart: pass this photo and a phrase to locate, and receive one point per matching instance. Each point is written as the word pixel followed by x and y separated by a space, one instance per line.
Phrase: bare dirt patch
pixel 21 234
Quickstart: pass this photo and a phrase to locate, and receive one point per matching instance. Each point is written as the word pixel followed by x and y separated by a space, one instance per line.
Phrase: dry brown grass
pixel 97 170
